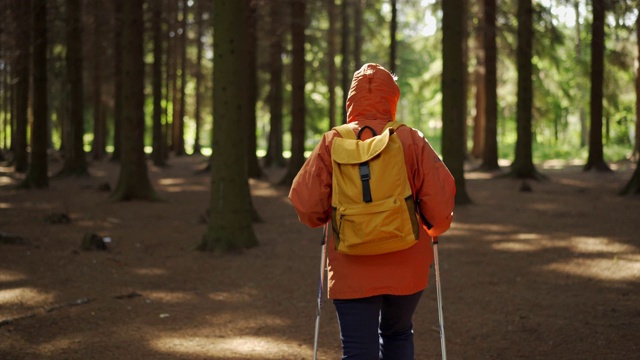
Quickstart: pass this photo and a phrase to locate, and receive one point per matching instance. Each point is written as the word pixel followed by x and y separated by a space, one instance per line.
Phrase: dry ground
pixel 551 274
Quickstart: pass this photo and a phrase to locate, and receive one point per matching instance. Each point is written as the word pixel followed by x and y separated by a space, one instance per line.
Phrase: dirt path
pixel 551 274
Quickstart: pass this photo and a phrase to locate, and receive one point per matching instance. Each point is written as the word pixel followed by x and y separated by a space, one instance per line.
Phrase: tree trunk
pixel 479 119
pixel 636 149
pixel 158 139
pixel 21 87
pixel 583 118
pixel 230 226
pixel 274 155
pixel 5 81
pixel 178 125
pixel 99 121
pixel 596 154
pixel 357 34
pixel 331 81
pixel 453 92
pixel 197 149
pixel 6 107
pixel 133 182
pixel 75 162
pixel 393 32
pixel 170 83
pixel 298 22
pixel 254 170
pixel 37 176
pixel 633 186
pixel 522 166
pixel 490 151
pixel 173 61
pixel 117 91
pixel 345 67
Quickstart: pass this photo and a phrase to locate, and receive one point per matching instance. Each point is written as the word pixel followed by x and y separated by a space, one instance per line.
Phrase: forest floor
pixel 548 274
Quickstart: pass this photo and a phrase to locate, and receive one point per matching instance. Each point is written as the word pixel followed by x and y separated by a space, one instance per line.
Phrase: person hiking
pixel 375 295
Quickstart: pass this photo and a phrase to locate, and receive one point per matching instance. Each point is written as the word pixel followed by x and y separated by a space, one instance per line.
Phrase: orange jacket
pixel 372 101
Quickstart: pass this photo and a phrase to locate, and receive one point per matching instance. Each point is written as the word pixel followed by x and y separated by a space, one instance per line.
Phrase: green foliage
pixel 561 74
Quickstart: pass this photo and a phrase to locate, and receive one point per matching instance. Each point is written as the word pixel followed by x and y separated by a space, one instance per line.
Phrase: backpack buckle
pixel 365 176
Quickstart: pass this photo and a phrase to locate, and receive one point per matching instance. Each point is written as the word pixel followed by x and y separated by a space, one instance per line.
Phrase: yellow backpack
pixel 373 207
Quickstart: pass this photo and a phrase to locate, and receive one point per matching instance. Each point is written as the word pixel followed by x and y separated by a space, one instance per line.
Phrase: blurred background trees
pixel 555 79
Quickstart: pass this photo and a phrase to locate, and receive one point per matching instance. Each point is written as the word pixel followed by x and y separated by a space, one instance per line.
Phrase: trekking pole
pixel 439 293
pixel 323 260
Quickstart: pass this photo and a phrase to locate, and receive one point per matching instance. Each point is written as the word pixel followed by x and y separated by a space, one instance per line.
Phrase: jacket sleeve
pixel 434 186
pixel 310 191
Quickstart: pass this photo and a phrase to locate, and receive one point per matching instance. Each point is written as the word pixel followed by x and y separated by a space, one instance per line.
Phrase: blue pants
pixel 377 327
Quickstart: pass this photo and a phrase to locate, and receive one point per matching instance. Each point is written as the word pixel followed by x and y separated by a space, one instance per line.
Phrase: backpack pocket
pixel 374 228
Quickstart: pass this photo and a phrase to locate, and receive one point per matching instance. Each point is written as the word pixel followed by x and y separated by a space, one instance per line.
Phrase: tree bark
pixel 522 166
pixel 490 151
pixel 170 83
pixel 6 106
pixel 117 91
pixel 331 80
pixel 357 34
pixel 37 176
pixel 393 47
pixel 99 118
pixel 274 155
pixel 230 228
pixel 345 67
pixel 596 154
pixel 197 149
pixel 75 162
pixel 633 186
pixel 21 86
pixel 298 23
pixel 158 139
pixel 636 149
pixel 254 170
pixel 479 120
pixel 453 93
pixel 133 182
pixel 178 125
pixel 173 60
pixel 584 130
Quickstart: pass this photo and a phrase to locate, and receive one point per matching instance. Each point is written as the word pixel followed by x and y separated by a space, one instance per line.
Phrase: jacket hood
pixel 373 94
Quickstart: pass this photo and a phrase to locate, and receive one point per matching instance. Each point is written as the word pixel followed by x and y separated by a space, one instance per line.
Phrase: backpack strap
pixel 365 171
pixel 373 132
pixel 393 125
pixel 345 131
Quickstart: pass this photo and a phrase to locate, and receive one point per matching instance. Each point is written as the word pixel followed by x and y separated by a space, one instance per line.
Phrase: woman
pixel 375 295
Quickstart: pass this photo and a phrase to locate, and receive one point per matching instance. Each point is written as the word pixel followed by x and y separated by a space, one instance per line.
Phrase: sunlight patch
pixel 238 347
pixel 609 269
pixel 149 271
pixel 59 344
pixel 181 188
pixel 8 275
pixel 516 246
pixel 478 175
pixel 238 295
pixel 241 323
pixel 24 296
pixel 5 180
pixel 591 245
pixel 171 181
pixel 484 228
pixel 168 296
pixel 528 236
